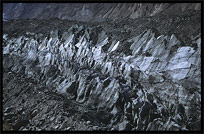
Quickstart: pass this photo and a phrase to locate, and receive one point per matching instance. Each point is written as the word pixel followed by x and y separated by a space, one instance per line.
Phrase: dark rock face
pixel 84 77
pixel 93 11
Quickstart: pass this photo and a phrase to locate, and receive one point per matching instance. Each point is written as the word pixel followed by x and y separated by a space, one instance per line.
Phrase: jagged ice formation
pixel 155 86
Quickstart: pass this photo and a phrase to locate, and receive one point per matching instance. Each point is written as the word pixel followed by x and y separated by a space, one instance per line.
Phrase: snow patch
pixel 115 47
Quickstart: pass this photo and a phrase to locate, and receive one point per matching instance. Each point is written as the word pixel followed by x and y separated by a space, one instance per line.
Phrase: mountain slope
pixel 94 11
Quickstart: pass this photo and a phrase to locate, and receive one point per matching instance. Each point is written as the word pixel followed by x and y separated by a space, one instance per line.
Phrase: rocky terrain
pixel 94 12
pixel 139 74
